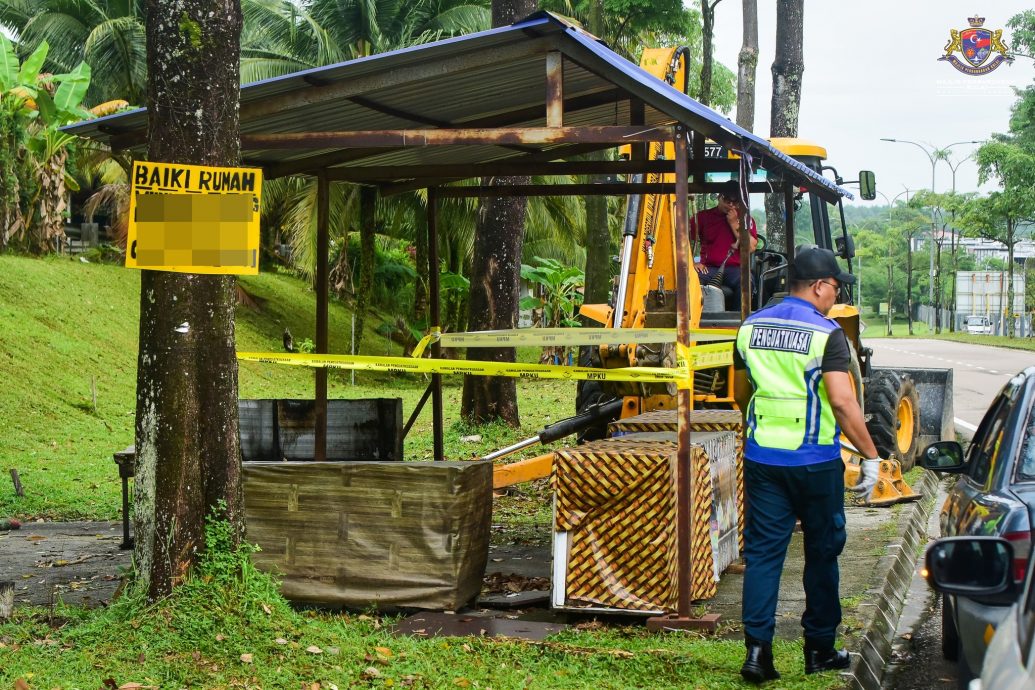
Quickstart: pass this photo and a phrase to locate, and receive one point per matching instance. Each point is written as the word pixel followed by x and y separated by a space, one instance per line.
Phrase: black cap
pixel 730 190
pixel 815 263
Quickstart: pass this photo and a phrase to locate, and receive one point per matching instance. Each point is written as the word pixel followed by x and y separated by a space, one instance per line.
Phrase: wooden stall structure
pixel 513 101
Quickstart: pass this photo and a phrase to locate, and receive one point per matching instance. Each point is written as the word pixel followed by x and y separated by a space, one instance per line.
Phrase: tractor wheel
pixel 589 393
pixel 892 409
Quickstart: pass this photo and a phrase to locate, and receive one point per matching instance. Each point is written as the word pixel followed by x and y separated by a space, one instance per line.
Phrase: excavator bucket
pixel 934 389
pixel 891 488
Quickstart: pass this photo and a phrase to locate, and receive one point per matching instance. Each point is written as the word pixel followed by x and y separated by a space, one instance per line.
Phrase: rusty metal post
pixel 433 298
pixel 684 488
pixel 745 240
pixel 554 89
pixel 322 283
pixel 684 496
pixel 788 221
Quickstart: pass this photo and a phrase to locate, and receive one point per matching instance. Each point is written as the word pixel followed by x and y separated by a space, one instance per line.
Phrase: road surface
pixel 979 371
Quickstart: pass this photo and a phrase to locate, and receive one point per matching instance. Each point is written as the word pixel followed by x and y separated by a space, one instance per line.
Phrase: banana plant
pixel 37 106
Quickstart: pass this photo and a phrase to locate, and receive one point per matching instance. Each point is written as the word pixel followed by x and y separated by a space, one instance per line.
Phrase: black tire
pixel 589 393
pixel 963 672
pixel 885 391
pixel 950 636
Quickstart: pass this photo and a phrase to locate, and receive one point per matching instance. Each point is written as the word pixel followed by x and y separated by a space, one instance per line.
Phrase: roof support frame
pixel 386 173
pixel 394 138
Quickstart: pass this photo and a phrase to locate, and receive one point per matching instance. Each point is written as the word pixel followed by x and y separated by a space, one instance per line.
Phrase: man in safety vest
pixel 792 383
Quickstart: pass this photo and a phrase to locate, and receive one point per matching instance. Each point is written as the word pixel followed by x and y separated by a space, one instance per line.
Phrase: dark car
pixel 994 496
pixel 981 567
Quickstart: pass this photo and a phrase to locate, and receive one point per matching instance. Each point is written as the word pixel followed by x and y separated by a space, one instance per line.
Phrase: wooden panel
pixel 384 534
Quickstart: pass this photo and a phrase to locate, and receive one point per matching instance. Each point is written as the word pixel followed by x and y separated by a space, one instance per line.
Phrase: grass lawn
pixel 69 337
pixel 227 627
pixel 876 327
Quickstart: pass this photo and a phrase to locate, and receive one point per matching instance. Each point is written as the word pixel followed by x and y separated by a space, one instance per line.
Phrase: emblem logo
pixel 976 44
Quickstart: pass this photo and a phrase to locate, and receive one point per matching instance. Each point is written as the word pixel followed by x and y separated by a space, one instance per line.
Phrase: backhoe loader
pixel 905 408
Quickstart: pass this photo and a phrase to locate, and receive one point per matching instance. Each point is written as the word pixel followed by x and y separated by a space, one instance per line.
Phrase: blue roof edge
pixel 678 98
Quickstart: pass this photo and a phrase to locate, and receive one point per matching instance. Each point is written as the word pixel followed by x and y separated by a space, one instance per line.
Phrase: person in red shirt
pixel 718 229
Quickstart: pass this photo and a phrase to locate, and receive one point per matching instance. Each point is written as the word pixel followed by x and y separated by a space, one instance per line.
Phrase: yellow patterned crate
pixel 665 420
pixel 615 524
pixel 700 420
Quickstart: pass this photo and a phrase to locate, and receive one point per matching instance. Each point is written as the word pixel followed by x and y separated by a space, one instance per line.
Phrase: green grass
pixel 876 327
pixel 68 327
pixel 992 340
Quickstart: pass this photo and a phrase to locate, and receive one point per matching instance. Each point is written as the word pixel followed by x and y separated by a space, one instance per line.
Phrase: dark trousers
pixel 775 496
pixel 730 278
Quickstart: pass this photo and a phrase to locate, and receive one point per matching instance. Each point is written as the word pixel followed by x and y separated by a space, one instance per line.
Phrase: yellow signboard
pixel 194 218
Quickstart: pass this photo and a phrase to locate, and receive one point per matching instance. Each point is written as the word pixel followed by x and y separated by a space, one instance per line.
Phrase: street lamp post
pixel 952 244
pixel 891 209
pixel 934 155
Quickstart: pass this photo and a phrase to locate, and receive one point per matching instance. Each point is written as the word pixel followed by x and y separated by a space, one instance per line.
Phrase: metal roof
pixel 489 79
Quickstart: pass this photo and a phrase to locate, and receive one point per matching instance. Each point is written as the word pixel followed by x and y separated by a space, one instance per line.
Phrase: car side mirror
pixel 943 456
pixel 845 247
pixel 975 567
pixel 867 185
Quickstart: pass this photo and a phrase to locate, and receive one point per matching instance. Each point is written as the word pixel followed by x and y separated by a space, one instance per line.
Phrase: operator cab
pixel 812 225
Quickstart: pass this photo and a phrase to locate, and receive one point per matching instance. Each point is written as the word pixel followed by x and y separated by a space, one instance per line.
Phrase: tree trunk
pixel 952 304
pixel 367 258
pixel 496 277
pixel 598 234
pixel 188 458
pixel 707 59
pixel 787 69
pixel 891 273
pixel 420 257
pixel 747 64
pixel 598 246
pixel 909 282
pixel 1010 228
pixel 495 283
pixel 938 286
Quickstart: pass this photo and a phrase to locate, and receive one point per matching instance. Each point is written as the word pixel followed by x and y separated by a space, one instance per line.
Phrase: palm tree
pixel 106 34
pixel 366 28
pixel 280 37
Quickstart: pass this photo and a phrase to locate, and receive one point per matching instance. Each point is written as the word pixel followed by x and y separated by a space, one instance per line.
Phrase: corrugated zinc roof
pixel 493 78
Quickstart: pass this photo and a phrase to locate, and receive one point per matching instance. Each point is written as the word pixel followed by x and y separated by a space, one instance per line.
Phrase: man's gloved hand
pixel 869 470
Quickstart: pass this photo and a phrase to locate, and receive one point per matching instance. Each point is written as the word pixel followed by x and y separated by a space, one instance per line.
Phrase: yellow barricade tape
pixel 700 357
pixel 567 336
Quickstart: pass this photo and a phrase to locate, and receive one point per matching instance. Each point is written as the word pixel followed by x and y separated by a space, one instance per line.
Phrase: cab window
pixel 984 449
pixel 1027 459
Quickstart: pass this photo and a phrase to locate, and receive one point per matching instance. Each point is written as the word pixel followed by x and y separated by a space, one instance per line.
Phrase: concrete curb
pixel 885 600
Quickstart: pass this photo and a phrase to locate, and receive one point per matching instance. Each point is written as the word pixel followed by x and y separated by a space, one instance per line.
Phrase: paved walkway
pixel 75 562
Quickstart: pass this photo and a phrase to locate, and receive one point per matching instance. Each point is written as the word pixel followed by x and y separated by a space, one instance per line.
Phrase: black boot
pixel 758 666
pixel 824 657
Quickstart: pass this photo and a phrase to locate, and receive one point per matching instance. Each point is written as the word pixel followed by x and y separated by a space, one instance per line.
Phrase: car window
pixel 1027 459
pixel 984 449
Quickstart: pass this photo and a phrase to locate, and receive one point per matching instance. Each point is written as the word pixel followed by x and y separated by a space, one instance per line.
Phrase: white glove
pixel 869 470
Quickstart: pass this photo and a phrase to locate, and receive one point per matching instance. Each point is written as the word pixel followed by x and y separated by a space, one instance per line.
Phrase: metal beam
pixel 538 136
pixel 322 221
pixel 554 89
pixel 609 189
pixel 371 104
pixel 434 313
pixel 507 167
pixel 328 160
